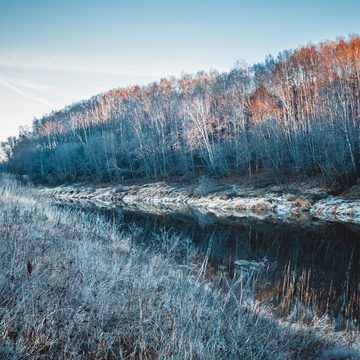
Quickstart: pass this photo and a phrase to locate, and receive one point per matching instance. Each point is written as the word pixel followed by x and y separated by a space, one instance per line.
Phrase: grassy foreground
pixel 72 287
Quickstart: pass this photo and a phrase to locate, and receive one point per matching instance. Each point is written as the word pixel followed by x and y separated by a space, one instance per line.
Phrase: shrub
pixel 205 186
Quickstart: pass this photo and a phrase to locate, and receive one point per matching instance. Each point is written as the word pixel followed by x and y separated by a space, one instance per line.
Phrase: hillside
pixel 293 116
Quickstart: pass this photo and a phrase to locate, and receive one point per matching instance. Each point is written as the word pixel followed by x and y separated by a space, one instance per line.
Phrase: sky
pixel 54 53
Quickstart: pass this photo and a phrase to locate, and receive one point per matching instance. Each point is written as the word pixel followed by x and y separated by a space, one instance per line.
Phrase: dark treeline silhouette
pixel 294 115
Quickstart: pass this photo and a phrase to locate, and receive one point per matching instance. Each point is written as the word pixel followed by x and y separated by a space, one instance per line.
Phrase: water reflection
pixel 313 267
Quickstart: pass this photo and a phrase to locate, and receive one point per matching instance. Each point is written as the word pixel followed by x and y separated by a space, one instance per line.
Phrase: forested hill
pixel 294 115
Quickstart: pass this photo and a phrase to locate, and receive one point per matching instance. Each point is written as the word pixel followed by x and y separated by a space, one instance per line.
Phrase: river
pixel 312 267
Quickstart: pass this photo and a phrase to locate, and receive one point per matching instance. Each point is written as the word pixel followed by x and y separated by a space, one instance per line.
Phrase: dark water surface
pixel 313 268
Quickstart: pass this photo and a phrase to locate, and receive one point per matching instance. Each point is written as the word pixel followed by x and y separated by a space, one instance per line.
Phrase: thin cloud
pixel 29 84
pixel 77 69
pixel 25 93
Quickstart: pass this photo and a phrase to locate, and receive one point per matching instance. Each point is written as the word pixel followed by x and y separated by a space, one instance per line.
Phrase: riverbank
pixel 73 287
pixel 291 202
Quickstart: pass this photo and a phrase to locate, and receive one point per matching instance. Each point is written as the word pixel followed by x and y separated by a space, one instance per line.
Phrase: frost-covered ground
pixel 73 287
pixel 222 200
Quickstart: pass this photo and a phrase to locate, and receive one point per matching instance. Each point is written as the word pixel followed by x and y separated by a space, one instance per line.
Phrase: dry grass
pixel 72 287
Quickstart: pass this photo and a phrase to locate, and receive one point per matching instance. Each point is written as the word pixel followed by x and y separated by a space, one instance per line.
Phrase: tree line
pixel 294 115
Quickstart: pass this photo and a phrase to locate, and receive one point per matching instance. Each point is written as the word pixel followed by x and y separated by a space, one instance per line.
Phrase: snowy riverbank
pixel 223 200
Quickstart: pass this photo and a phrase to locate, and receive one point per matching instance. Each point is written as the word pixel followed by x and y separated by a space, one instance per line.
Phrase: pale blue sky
pixel 53 52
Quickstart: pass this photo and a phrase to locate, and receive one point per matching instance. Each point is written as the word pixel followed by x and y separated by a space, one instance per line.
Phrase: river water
pixel 312 267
